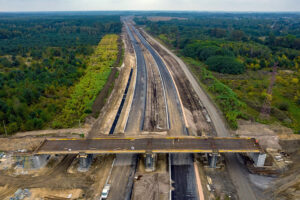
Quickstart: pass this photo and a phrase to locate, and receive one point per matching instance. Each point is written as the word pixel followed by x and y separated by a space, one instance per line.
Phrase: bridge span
pixel 145 145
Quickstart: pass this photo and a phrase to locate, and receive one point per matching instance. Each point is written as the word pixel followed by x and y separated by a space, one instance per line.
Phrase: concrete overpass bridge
pixel 148 146
pixel 117 145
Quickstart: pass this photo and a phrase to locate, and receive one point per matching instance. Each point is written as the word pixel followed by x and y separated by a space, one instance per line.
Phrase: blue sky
pixel 198 5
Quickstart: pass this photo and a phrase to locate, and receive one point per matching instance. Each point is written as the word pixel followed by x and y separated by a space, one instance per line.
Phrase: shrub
pixel 225 97
pixel 225 65
pixel 283 106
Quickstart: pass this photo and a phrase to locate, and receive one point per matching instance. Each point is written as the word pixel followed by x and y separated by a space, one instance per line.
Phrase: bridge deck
pixel 148 145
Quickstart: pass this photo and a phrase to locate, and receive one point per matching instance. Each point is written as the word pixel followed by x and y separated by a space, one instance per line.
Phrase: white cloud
pixel 201 5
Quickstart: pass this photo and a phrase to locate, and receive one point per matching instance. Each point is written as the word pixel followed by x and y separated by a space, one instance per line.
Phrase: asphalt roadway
pixel 136 116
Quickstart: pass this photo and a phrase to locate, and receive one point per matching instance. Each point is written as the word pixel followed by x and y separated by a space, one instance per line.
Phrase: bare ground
pixel 56 132
pixel 153 185
pixel 268 136
pixel 56 179
pixel 287 187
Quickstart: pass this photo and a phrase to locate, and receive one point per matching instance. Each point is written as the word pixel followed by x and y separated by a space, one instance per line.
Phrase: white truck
pixel 105 192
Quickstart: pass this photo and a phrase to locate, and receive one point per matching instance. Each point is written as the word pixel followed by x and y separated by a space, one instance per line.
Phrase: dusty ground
pixel 268 136
pixel 15 144
pixel 277 137
pixel 38 193
pixel 153 185
pixel 287 187
pixel 56 132
pixel 56 179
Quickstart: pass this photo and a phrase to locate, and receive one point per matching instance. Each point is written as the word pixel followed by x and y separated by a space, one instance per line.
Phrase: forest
pixel 42 58
pixel 234 55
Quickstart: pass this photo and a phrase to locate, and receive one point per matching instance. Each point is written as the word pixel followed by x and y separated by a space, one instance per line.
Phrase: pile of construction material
pixel 20 194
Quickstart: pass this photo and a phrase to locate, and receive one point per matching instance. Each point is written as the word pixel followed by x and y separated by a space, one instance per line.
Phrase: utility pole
pixel 4 128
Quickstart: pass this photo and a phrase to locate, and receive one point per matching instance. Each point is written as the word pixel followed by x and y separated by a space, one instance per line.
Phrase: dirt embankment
pixel 15 144
pixel 272 136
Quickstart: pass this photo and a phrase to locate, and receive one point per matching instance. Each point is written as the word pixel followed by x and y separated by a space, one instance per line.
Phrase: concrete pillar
pixel 212 159
pixel 259 159
pixel 150 160
pixel 85 161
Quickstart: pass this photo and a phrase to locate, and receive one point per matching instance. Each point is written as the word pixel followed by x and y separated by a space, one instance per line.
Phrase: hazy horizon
pixel 150 5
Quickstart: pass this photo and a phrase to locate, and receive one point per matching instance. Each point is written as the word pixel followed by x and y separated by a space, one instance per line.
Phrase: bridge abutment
pixel 85 161
pixel 258 159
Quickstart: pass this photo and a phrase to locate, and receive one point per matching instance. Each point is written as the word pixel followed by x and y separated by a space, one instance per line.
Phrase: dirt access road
pixel 236 172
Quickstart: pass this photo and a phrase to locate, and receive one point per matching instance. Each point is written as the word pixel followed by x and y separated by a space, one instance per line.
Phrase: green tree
pixel 237 35
pixel 225 64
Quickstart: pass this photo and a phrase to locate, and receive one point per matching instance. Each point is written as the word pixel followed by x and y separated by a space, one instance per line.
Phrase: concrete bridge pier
pixel 85 161
pixel 258 159
pixel 212 159
pixel 150 162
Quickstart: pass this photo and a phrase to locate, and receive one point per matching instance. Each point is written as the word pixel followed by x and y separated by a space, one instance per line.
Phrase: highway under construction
pixel 162 115
pixel 165 103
